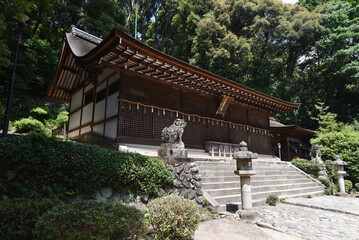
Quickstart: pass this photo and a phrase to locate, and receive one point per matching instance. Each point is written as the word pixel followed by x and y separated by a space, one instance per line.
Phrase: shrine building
pixel 123 91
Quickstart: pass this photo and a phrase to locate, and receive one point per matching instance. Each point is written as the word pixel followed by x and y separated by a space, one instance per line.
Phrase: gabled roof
pixel 121 51
pixel 289 130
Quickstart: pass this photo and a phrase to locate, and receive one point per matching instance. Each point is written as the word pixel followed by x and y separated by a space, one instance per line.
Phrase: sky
pixel 290 1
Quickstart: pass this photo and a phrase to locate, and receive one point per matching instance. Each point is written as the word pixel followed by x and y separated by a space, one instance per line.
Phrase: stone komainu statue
pixel 315 154
pixel 173 134
pixel 172 140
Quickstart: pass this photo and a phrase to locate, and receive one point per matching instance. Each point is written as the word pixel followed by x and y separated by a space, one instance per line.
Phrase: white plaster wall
pixel 101 86
pixel 76 100
pixel 87 114
pixel 98 128
pixel 99 111
pixel 112 105
pixel 111 129
pixel 74 120
pixel 88 87
pixel 73 134
pixel 85 129
pixel 113 78
pixel 105 73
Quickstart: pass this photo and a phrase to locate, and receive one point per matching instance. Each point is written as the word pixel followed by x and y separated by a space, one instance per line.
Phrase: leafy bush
pixel 18 216
pixel 26 125
pixel 307 167
pixel 173 217
pixel 61 119
pixel 330 187
pixel 335 138
pixel 356 186
pixel 40 113
pixel 91 220
pixel 37 166
pixel 272 200
pixel 348 186
pixel 309 196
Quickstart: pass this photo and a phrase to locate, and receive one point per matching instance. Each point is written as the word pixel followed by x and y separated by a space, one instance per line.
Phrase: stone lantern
pixel 339 171
pixel 245 170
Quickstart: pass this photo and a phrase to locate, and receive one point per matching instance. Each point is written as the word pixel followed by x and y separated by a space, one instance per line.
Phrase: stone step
pixel 282 187
pixel 235 182
pixel 232 164
pixel 224 192
pixel 269 183
pixel 287 192
pixel 215 179
pixel 298 179
pixel 219 185
pixel 276 177
pixel 228 198
pixel 232 178
pixel 221 172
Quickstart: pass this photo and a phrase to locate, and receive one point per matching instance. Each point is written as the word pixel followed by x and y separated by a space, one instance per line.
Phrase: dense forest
pixel 308 52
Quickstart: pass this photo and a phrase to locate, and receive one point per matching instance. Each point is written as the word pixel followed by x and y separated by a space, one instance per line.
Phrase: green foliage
pixel 173 217
pixel 61 119
pixel 26 125
pixel 356 187
pixel 272 200
pixel 342 140
pixel 348 186
pixel 330 187
pixel 91 220
pixel 309 196
pixel 307 167
pixel 18 216
pixel 282 200
pixel 37 166
pixel 40 113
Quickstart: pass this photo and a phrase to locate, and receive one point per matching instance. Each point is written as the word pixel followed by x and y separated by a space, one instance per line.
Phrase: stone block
pixel 106 192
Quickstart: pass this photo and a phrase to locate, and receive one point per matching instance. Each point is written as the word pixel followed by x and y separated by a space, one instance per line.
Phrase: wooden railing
pixel 221 149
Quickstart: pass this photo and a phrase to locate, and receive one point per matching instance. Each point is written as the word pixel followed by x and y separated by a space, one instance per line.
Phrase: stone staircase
pixel 273 177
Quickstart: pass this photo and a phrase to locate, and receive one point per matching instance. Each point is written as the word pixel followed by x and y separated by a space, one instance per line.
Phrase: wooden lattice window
pixel 88 97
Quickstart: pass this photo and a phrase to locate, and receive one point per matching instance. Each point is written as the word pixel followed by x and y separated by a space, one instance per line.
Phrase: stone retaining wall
pixel 186 181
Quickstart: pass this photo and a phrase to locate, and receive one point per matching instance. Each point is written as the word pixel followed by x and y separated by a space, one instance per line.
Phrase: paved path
pixel 330 203
pixel 312 223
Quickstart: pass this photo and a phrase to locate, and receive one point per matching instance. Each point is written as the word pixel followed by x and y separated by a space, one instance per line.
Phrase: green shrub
pixel 173 217
pixel 18 216
pixel 356 186
pixel 307 167
pixel 40 113
pixel 309 196
pixel 330 187
pixel 272 200
pixel 348 186
pixel 61 119
pixel 38 166
pixel 26 125
pixel 91 220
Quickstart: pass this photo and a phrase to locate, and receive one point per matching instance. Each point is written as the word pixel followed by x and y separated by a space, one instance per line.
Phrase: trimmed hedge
pixel 19 216
pixel 38 166
pixel 307 167
pixel 91 220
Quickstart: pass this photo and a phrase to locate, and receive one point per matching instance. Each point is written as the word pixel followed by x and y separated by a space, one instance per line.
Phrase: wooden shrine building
pixel 291 139
pixel 123 91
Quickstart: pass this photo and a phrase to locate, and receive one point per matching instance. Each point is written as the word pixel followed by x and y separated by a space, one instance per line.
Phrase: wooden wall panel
pixel 151 92
pixel 258 119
